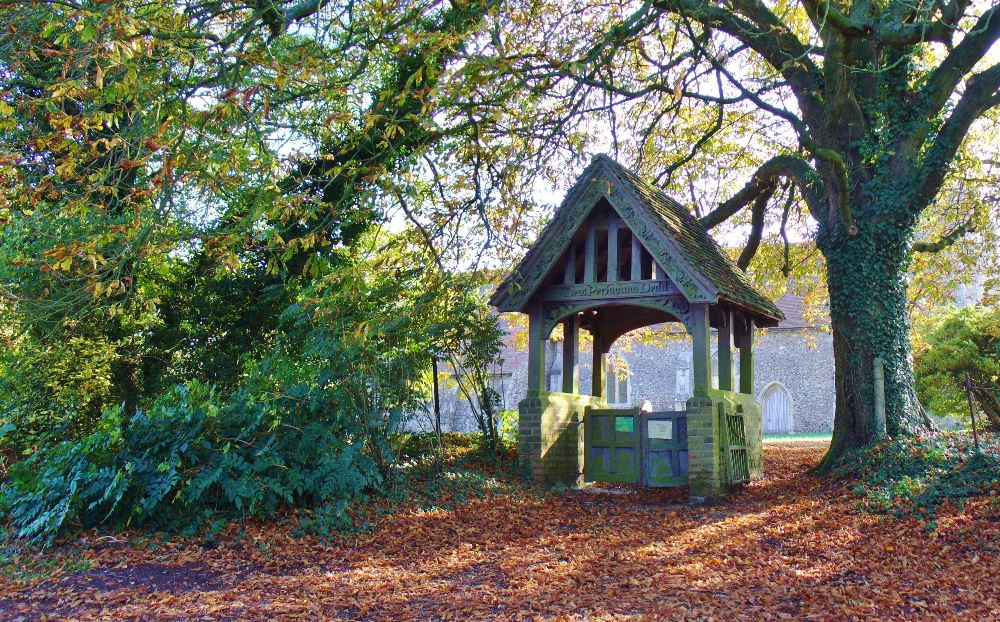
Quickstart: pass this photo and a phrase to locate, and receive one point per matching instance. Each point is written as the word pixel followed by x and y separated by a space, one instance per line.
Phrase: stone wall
pixel 801 360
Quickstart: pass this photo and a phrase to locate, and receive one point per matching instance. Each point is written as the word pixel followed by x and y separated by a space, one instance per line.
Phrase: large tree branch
pixel 791 167
pixel 759 211
pixel 913 26
pixel 961 60
pixel 757 27
pixel 983 93
pixel 944 242
pixel 823 15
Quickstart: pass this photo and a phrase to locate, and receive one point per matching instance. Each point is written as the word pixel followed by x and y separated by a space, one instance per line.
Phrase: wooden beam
pixel 701 354
pixel 598 386
pixel 636 258
pixel 536 350
pixel 613 252
pixel 746 358
pixel 571 354
pixel 569 276
pixel 590 257
pixel 726 351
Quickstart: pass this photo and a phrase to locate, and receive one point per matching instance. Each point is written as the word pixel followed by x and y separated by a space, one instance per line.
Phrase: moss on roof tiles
pixel 698 248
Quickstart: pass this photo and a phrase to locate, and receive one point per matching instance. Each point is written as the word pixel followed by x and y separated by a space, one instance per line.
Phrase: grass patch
pixel 917 475
pixel 465 472
pixel 808 436
pixel 20 565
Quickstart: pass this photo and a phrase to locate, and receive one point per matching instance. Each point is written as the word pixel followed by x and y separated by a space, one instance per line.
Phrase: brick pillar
pixel 529 434
pixel 705 474
pixel 550 437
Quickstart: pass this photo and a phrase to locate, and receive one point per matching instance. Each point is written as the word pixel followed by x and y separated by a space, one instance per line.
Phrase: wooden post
pixel 972 410
pixel 590 257
pixel 571 351
pixel 746 358
pixel 598 380
pixel 879 382
pixel 569 276
pixel 636 258
pixel 536 350
pixel 726 351
pixel 701 364
pixel 613 252
pixel 437 410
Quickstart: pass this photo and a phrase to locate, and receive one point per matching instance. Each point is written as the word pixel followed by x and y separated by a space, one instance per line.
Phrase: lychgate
pixel 618 255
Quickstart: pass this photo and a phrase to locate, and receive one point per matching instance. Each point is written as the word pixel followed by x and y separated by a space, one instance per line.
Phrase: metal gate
pixel 632 447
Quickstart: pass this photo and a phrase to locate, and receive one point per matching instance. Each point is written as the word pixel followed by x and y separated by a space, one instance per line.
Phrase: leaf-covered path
pixel 790 547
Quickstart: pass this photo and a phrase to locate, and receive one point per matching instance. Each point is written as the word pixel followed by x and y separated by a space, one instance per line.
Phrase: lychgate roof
pixel 672 235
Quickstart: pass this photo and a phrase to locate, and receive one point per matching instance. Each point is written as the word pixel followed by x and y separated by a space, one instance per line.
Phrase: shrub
pixel 309 424
pixel 189 459
pixel 951 344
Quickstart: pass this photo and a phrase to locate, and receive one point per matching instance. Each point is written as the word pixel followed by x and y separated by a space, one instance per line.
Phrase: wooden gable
pixel 617 237
pixel 599 245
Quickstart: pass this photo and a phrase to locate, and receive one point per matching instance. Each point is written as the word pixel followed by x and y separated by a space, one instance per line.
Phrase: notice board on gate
pixel 660 429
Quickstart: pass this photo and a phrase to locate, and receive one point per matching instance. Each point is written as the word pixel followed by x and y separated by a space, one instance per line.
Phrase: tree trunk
pixel 866 277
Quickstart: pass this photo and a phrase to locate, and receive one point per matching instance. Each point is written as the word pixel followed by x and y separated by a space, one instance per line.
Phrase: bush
pixel 308 425
pixel 190 459
pixel 917 475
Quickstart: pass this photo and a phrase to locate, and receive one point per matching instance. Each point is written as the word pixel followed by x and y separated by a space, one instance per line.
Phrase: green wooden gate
pixel 631 447
pixel 611 445
pixel 664 449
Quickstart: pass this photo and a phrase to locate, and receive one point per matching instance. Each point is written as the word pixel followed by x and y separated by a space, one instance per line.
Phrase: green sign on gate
pixel 631 447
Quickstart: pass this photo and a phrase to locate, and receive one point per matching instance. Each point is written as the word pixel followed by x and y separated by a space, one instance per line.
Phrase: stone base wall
pixel 550 436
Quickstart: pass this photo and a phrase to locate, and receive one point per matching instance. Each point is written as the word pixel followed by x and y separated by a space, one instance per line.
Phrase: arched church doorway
pixel 776 402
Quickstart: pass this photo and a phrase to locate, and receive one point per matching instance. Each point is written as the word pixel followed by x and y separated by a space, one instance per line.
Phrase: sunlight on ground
pixel 791 546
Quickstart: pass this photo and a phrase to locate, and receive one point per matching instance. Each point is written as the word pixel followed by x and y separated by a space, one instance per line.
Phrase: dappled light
pixel 793 545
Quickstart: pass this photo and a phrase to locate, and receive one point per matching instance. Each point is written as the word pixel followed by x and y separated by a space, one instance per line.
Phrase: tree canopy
pixel 175 177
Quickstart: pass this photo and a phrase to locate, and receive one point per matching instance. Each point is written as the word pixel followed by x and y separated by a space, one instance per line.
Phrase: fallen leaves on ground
pixel 793 546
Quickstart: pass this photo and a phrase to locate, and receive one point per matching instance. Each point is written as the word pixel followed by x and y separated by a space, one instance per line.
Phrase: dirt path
pixel 790 547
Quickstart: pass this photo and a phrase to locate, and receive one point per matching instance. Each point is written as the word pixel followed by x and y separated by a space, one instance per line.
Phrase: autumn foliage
pixel 793 546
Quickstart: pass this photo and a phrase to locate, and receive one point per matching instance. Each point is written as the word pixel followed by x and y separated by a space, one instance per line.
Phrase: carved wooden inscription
pixel 602 291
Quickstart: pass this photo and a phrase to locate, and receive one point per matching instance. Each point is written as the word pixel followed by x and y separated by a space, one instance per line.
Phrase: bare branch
pixel 961 60
pixel 756 226
pixel 763 32
pixel 983 93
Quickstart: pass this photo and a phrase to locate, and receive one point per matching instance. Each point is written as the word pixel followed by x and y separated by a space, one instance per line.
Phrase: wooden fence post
pixel 879 381
pixel 972 409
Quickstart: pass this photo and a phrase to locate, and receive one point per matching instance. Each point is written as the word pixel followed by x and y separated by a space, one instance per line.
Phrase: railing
pixel 969 390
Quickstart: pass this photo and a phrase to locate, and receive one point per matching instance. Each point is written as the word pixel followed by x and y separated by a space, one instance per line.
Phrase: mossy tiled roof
pixel 699 250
